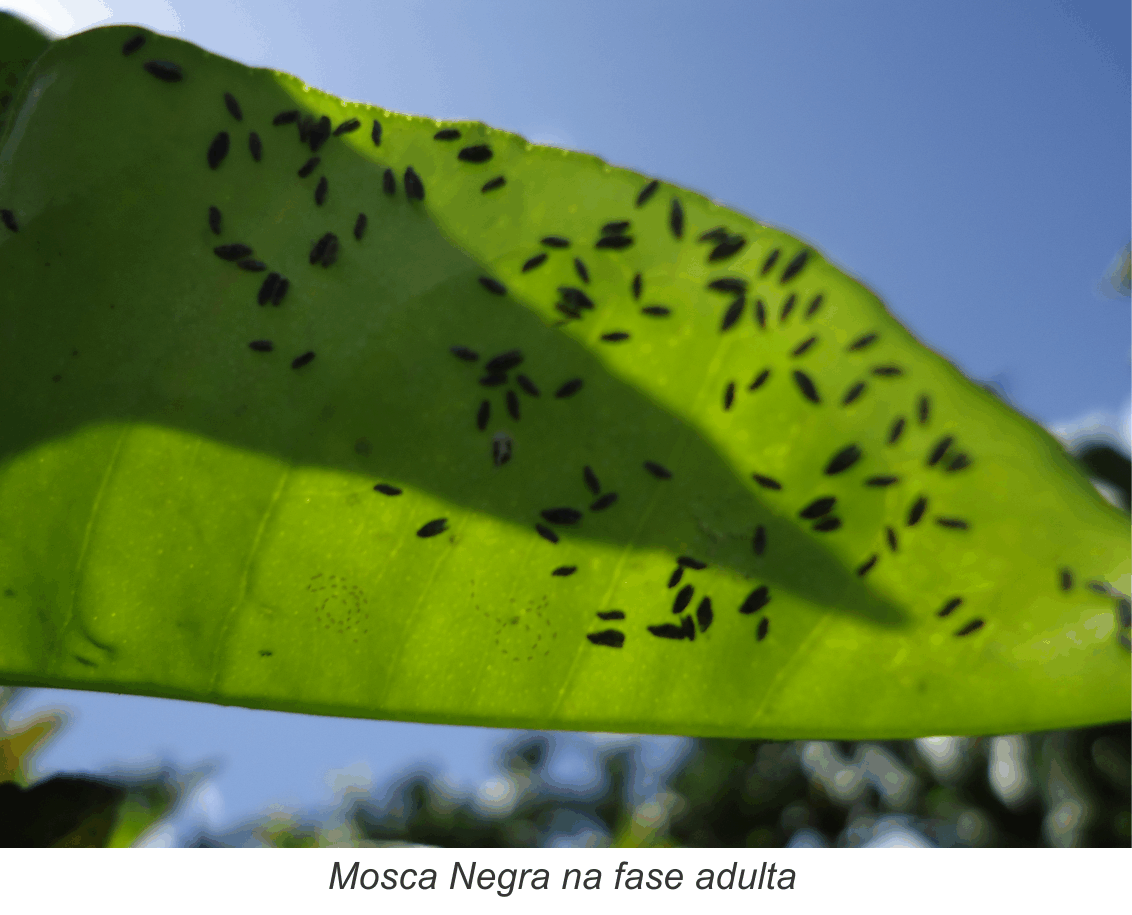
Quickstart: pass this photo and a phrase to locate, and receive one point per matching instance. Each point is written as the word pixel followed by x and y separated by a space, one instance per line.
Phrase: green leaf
pixel 182 514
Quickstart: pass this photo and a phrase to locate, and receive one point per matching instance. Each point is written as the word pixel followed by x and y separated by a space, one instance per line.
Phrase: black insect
pixel 309 166
pixel 285 117
pixel 320 191
pixel 233 106
pixel 815 304
pixel 893 544
pixel 9 220
pixel 570 388
pixel 231 252
pixel 758 542
pixel 917 511
pixel 806 386
pixel 306 125
pixel 731 245
pixel 771 260
pixel 299 361
pixel 493 286
pixel 580 267
pixel 896 431
pixel 561 515
pixel 347 127
pixel 646 192
pixel 564 571
pixel 218 149
pixel 818 508
pixel 535 261
pixel 683 598
pixel 795 266
pixel 675 578
pixel 614 242
pixel 939 450
pixel 448 133
pixel 611 615
pixel 957 524
pixel 888 371
pixel 882 481
pixel 843 460
pixel 556 241
pixel 513 405
pixel 959 462
pixel 575 298
pixel 414 187
pixel 616 336
pixel 950 607
pixel 325 250
pixel 658 470
pixel 603 502
pixel 164 70
pixel 214 219
pixel 676 219
pixel 438 526
pixel 280 290
pixel 729 284
pixel 477 154
pixel 755 601
pixel 546 533
pixel 973 626
pixel 1066 578
pixel 593 484
pixel 493 381
pixel 387 490
pixel 760 313
pixel 787 308
pixel 804 346
pixel 318 249
pixel 827 524
pixel 501 445
pixel 687 562
pixel 389 182
pixel 733 313
pixel 261 346
pixel 862 342
pixel 729 395
pixel 360 226
pixel 704 614
pixel 251 264
pixel 255 146
pixel 527 385
pixel 656 311
pixel 267 290
pixel 925 409
pixel 853 393
pixel 493 184
pixel 766 482
pixel 319 134
pixel 686 630
pixel 483 415
pixel 610 638
pixel 132 45
pixel 504 362
pixel 764 628
pixel 375 134
pixel 760 380
pixel 864 567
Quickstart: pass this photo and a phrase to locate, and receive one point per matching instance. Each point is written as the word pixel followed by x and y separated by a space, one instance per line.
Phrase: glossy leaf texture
pixel 317 407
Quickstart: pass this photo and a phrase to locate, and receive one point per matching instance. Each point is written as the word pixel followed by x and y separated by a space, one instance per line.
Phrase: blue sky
pixel 967 160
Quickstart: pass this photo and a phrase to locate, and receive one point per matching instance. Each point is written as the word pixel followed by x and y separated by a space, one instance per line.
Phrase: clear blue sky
pixel 967 160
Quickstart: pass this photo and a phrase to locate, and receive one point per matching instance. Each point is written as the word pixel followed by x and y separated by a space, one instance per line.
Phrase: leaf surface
pixel 723 492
